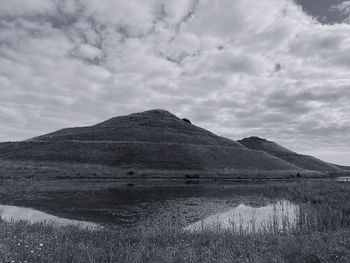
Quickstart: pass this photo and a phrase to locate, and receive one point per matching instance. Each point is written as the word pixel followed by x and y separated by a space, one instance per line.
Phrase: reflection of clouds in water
pixel 280 215
pixel 15 213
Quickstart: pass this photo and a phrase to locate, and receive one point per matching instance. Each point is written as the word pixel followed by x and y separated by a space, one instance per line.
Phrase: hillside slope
pixel 157 126
pixel 303 161
pixel 153 139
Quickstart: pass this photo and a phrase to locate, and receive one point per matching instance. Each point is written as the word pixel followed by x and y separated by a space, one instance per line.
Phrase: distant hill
pixel 159 140
pixel 303 161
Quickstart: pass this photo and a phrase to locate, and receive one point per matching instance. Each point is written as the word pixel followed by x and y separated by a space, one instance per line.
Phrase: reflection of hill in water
pixel 149 205
pixel 275 216
pixel 117 204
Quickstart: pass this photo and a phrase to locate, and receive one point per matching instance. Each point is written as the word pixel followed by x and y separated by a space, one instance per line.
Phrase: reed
pixel 21 242
pixel 319 233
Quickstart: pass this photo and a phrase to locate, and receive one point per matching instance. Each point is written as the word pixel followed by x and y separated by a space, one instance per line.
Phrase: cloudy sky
pixel 278 69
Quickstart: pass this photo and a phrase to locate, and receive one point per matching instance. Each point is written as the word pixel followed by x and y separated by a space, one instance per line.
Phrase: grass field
pixel 50 170
pixel 41 243
pixel 326 237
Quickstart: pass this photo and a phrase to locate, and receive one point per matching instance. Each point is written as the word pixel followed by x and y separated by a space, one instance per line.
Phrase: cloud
pixel 344 10
pixel 325 11
pixel 239 68
pixel 24 7
pixel 343 7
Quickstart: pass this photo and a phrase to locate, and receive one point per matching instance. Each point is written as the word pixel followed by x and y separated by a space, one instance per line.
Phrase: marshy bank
pixel 147 223
pixel 21 242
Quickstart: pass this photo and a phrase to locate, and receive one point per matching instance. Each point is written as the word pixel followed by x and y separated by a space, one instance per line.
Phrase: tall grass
pixel 45 243
pixel 299 219
pixel 321 234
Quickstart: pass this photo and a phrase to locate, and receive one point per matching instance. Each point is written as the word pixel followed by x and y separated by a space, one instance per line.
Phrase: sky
pixel 278 69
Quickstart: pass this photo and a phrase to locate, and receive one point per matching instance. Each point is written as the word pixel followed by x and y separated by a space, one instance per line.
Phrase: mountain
pixel 303 161
pixel 154 139
pixel 154 126
pixel 159 140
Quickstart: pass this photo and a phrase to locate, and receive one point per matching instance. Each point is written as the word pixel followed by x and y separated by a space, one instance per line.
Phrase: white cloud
pixel 26 7
pixel 227 19
pixel 239 68
pixel 133 17
pixel 89 51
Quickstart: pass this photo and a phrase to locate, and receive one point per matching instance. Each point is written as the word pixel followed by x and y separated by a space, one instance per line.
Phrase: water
pixel 282 215
pixel 332 179
pixel 343 179
pixel 15 213
pixel 119 205
pixel 240 206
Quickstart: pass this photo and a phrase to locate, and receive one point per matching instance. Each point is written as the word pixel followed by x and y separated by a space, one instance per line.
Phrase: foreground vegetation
pixel 324 236
pixel 44 243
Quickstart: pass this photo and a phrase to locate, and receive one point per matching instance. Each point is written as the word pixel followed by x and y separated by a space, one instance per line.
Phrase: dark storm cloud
pixel 242 68
pixel 325 11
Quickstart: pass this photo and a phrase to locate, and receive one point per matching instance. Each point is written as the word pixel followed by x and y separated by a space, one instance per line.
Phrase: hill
pixel 153 139
pixel 303 161
pixel 154 126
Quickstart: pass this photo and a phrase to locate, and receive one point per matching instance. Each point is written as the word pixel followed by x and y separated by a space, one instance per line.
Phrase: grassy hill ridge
pixel 303 161
pixel 159 140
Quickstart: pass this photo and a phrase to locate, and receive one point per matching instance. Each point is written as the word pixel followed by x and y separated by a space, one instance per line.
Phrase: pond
pixel 282 215
pixel 246 207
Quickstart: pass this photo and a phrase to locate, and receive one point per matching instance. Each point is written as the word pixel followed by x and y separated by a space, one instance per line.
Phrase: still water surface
pixel 238 206
pixel 343 179
pixel 241 218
